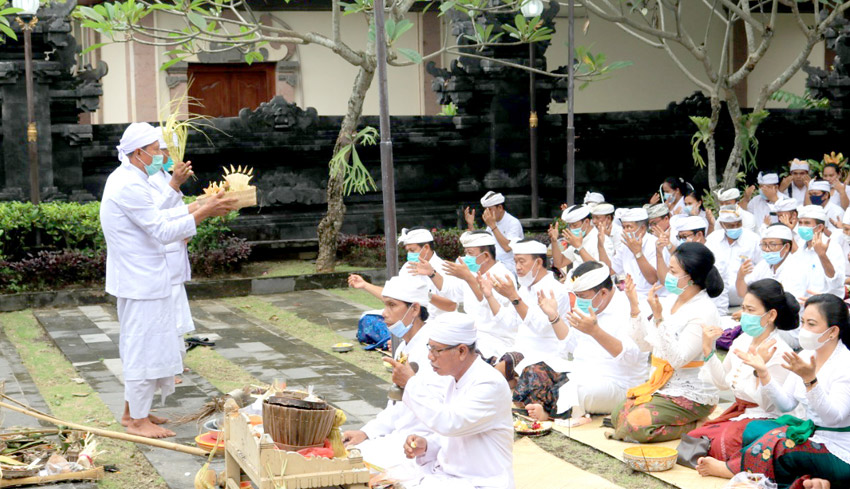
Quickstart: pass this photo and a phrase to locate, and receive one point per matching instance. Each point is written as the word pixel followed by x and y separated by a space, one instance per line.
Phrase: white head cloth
pixel 492 198
pixel 602 209
pixel 634 215
pixel 778 231
pixel 797 164
pixel 692 223
pixel 406 288
pixel 846 218
pixel 729 215
pixel 414 236
pixel 729 194
pixel 453 328
pixel 657 210
pixel 821 185
pixel 162 143
pixel 528 247
pixel 785 205
pixel 588 280
pixel 137 135
pixel 593 198
pixel 812 212
pixel 575 213
pixel 476 239
pixel 768 179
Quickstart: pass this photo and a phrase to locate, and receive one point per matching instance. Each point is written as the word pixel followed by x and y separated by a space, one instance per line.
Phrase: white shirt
pixel 624 262
pixel 176 253
pixel 590 244
pixel 835 198
pixel 136 233
pixel 678 340
pixel 827 404
pixel 784 274
pixel 472 428
pixel 799 194
pixel 511 228
pixel 761 208
pixel 732 374
pixel 808 274
pixel 833 211
pixel 495 336
pixel 844 241
pixel 437 264
pixel 728 257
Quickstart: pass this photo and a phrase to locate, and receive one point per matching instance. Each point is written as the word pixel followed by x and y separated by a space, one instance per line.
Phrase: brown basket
pixel 297 428
pixel 244 198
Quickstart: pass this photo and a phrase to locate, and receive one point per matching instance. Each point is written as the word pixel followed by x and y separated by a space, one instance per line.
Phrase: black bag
pixel 691 450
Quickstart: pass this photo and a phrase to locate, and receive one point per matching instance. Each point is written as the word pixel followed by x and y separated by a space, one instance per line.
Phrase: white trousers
pixel 594 396
pixel 139 394
pixel 182 313
pixel 385 451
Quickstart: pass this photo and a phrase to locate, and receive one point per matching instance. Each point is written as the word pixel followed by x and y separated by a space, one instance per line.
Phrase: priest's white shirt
pixel 761 208
pixel 835 198
pixel 590 244
pixel 624 262
pixel 784 274
pixel 594 372
pixel 732 374
pixel 807 274
pixel 678 340
pixel 176 253
pixel 495 336
pixel 728 258
pixel 511 228
pixel 472 440
pixel 827 404
pixel 799 194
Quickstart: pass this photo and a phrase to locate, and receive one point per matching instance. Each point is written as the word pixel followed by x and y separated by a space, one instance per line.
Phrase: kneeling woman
pixel 766 309
pixel 790 450
pixel 675 399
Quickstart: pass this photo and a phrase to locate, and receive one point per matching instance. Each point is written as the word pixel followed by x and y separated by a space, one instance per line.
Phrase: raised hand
pixel 752 358
pixel 709 338
pixel 836 223
pixel 586 323
pixel 572 239
pixel 766 350
pixel 795 363
pixel 421 268
pixel 749 191
pixel 415 446
pixel 633 244
pixel 631 293
pixel 663 240
pixel 469 217
pixel 485 282
pixel 654 303
pixel 786 220
pixel 553 234
pixel 356 281
pixel 819 245
pixel 505 287
pixel 656 198
pixel 489 218
pixel 746 268
pixel 181 172
pixel 459 270
pixel 549 305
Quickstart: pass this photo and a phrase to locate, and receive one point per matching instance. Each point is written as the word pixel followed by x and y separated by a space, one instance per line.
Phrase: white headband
pixel 492 198
pixel 812 212
pixel 785 205
pixel 768 178
pixel 692 223
pixel 657 210
pixel 820 185
pixel 593 198
pixel 453 328
pixel 575 213
pixel 778 231
pixel 634 215
pixel 475 240
pixel 588 280
pixel 406 288
pixel 602 210
pixel 799 165
pixel 729 215
pixel 137 135
pixel 729 194
pixel 415 236
pixel 528 247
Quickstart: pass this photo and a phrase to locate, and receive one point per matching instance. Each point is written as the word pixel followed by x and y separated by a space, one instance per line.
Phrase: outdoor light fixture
pixel 29 7
pixel 531 8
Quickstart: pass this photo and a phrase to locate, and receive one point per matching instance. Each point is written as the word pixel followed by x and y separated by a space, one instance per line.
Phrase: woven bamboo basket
pixel 297 425
pixel 244 198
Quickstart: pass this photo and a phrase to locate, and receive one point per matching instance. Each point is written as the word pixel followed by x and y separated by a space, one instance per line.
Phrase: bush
pixel 227 257
pixel 52 270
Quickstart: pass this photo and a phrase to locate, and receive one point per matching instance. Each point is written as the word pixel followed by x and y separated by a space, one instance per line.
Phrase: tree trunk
pixel 733 163
pixel 332 222
pixel 711 144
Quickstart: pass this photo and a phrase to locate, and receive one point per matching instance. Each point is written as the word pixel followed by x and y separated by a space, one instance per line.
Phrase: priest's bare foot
pixel 144 427
pixel 537 412
pixel 177 380
pixel 126 420
pixel 710 466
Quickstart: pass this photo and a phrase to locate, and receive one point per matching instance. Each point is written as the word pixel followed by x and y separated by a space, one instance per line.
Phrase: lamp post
pixel 531 9
pixel 571 130
pixel 29 8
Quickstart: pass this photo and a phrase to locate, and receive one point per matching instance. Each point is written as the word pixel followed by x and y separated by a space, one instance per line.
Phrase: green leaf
pixel 402 27
pixel 8 31
pixel 91 13
pixel 389 27
pixel 196 19
pixel 171 62
pixel 411 54
pixel 520 22
pixel 93 47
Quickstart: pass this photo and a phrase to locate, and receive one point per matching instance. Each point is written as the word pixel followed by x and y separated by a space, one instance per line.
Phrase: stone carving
pixel 833 84
pixel 278 114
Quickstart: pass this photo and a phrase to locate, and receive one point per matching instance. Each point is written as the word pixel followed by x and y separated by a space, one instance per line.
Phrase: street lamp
pixel 531 9
pixel 29 9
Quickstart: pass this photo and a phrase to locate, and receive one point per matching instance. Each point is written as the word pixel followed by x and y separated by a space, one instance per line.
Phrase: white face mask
pixel 811 341
pixel 528 279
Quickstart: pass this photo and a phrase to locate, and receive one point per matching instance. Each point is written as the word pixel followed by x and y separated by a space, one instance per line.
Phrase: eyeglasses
pixel 772 246
pixel 437 351
pixel 686 237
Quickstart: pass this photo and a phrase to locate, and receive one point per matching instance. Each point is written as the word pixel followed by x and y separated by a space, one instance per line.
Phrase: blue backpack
pixel 372 331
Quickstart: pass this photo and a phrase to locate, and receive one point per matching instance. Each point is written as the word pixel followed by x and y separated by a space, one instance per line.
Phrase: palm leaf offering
pixel 235 184
pixel 176 124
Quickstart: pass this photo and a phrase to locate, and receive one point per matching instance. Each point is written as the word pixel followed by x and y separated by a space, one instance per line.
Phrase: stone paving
pixel 88 337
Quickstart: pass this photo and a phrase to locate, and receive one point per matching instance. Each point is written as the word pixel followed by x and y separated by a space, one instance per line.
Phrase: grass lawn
pixel 314 334
pixel 223 374
pixel 52 374
pixel 286 268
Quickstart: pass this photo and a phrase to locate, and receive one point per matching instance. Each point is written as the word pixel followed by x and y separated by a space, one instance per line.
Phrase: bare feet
pixel 126 420
pixel 144 427
pixel 537 412
pixel 177 380
pixel 709 466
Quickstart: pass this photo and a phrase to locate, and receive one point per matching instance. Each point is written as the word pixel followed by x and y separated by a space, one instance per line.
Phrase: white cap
pixel 778 231
pixel 728 194
pixel 593 198
pixel 768 179
pixel 530 247
pixel 406 288
pixel 812 212
pixel 729 215
pixel 602 210
pixel 797 164
pixel 575 213
pixel 137 135
pixel 476 239
pixel 492 198
pixel 453 328
pixel 162 143
pixel 634 215
pixel 787 204
pixel 692 223
pixel 588 280
pixel 820 185
pixel 415 236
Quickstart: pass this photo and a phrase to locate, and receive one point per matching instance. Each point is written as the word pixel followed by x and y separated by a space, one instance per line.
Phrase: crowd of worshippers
pixel 620 317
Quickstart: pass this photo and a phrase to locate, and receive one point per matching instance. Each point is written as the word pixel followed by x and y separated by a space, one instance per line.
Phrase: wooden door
pixel 222 90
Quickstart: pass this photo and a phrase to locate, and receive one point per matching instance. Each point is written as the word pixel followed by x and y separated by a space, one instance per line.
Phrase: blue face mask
pixel 671 283
pixel 399 329
pixel 668 196
pixel 688 209
pixel 578 232
pixel 734 233
pixel 411 256
pixel 816 199
pixel 471 263
pixel 772 257
pixel 806 232
pixel 751 324
pixel 155 166
pixel 585 305
pixel 168 164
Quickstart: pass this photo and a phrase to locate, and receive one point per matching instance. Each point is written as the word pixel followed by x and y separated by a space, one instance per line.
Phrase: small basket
pixel 648 458
pixel 298 424
pixel 244 198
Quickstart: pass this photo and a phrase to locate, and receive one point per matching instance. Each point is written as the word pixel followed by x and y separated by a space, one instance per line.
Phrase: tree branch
pixel 335 21
pixel 744 15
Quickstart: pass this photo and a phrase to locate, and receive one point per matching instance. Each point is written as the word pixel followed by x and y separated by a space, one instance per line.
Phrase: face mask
pixel 578 232
pixel 671 283
pixel 816 199
pixel 528 279
pixel 734 233
pixel 413 257
pixel 688 209
pixel 811 341
pixel 668 196
pixel 471 263
pixel 806 233
pixel 168 165
pixel 772 257
pixel 155 166
pixel 585 305
pixel 399 329
pixel 751 324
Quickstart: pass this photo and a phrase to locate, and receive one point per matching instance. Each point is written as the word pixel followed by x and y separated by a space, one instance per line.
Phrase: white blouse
pixel 678 340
